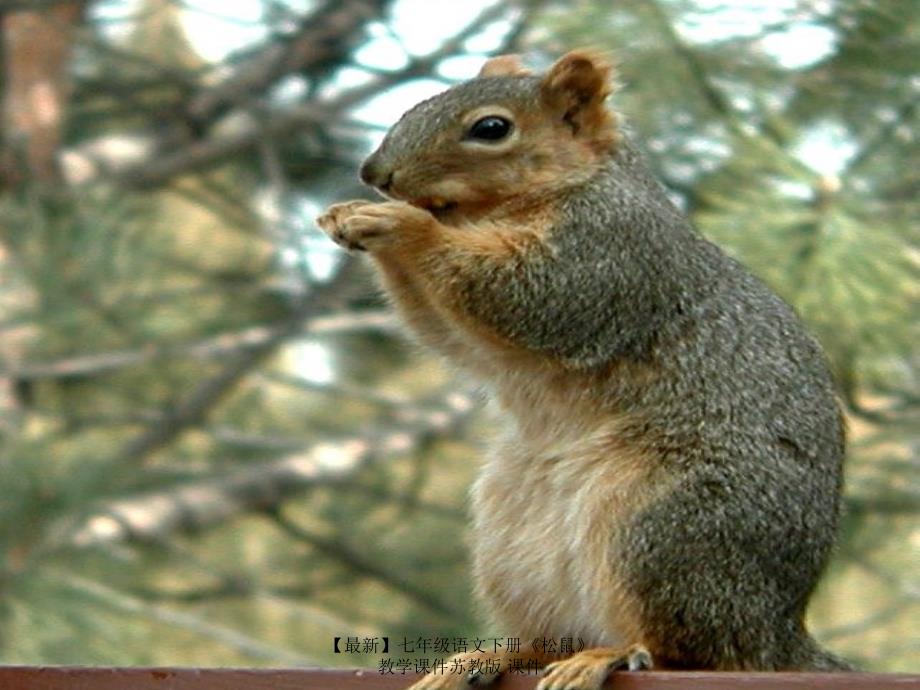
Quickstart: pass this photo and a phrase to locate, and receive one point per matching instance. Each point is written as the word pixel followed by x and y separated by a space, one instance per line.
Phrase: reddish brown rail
pixel 75 678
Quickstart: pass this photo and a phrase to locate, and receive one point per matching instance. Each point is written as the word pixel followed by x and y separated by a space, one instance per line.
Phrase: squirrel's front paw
pixel 367 226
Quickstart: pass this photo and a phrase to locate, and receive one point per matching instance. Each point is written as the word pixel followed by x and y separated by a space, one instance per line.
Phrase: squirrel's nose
pixel 376 175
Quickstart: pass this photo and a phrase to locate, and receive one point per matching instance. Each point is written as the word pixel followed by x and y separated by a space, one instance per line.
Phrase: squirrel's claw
pixel 333 223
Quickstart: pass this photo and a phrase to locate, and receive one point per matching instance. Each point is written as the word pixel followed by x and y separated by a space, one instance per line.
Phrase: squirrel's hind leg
pixel 589 669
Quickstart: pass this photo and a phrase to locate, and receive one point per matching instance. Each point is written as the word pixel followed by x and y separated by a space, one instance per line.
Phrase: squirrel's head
pixel 505 134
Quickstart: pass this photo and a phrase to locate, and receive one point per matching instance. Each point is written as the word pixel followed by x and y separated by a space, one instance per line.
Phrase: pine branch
pixel 907 589
pixel 230 589
pixel 361 393
pixel 126 603
pixel 10 6
pixel 325 37
pixel 882 137
pixel 738 124
pixel 695 67
pixel 194 408
pixel 202 504
pixel 232 580
pixel 358 563
pixel 239 438
pixel 864 624
pixel 221 345
pixel 202 154
pixel 405 500
pixel 196 405
pixel 894 503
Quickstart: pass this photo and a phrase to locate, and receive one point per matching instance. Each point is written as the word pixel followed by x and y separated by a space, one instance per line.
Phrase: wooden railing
pixel 79 678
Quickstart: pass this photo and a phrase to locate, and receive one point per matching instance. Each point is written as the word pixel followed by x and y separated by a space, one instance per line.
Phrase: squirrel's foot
pixel 366 226
pixel 589 669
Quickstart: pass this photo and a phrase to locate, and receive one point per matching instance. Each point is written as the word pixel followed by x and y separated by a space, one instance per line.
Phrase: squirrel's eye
pixel 490 128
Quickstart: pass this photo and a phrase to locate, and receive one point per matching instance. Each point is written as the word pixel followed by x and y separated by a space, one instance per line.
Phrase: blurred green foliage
pixel 215 448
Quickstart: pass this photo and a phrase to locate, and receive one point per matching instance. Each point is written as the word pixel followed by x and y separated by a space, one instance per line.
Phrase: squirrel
pixel 668 484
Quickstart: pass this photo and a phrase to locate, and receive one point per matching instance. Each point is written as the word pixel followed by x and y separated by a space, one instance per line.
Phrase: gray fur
pixel 742 408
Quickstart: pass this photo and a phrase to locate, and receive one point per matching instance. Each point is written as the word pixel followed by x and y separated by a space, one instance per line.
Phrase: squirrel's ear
pixel 504 66
pixel 575 87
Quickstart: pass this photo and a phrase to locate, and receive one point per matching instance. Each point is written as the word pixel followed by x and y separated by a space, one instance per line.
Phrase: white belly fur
pixel 545 532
